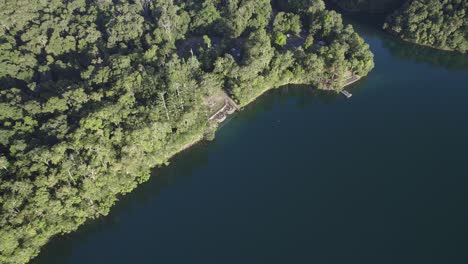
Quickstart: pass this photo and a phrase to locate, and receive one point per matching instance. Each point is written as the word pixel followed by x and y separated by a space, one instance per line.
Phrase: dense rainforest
pixel 440 24
pixel 94 94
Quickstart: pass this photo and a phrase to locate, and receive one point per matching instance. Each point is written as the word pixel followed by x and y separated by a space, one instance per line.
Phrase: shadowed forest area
pixel 93 94
pixel 440 24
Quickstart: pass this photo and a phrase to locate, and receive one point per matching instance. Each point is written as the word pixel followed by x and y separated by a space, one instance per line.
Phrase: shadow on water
pixel 421 54
pixel 370 26
pixel 302 94
pixel 187 163
pixel 380 7
pixel 181 167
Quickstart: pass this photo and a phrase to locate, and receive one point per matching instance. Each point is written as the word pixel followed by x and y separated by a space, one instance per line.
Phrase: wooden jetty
pixel 350 80
pixel 349 76
pixel 346 93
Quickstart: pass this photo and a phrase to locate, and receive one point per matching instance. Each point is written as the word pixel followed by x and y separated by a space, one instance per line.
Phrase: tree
pixel 96 93
pixel 4 163
pixel 280 39
pixel 125 26
pixel 439 24
pixel 287 23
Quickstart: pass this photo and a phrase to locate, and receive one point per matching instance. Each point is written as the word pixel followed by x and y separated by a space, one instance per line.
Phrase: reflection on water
pixel 371 26
pixel 421 54
pixel 181 168
pixel 331 120
pixel 303 95
pixel 182 165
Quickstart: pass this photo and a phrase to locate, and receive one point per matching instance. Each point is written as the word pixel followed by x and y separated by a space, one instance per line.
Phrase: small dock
pixel 228 108
pixel 346 93
pixel 349 76
pixel 352 79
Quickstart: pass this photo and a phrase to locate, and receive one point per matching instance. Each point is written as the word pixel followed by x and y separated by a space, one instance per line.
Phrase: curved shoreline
pixel 395 35
pixel 89 143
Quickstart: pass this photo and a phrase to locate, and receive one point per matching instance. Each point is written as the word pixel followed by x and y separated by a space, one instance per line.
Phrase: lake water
pixel 304 177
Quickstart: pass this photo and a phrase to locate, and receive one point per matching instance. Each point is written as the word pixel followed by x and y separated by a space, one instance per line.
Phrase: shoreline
pixel 431 46
pixel 395 35
pixel 137 98
pixel 190 142
pixel 263 91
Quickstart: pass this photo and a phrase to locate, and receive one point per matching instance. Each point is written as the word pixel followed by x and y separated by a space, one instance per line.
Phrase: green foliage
pixel 206 18
pixel 280 39
pixel 125 26
pixel 239 16
pixel 437 23
pixel 207 41
pixel 94 94
pixel 287 23
pixel 4 163
pixel 302 7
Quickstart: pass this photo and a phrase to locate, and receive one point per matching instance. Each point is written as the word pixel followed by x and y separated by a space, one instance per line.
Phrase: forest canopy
pixel 93 94
pixel 441 24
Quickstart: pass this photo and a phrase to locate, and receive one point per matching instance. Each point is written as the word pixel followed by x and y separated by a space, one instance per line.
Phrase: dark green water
pixel 303 177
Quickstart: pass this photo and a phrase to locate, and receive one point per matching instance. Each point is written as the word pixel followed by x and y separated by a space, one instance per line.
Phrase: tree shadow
pixel 60 249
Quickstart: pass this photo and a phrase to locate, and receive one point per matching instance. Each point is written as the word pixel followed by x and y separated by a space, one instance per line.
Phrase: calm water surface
pixel 304 177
